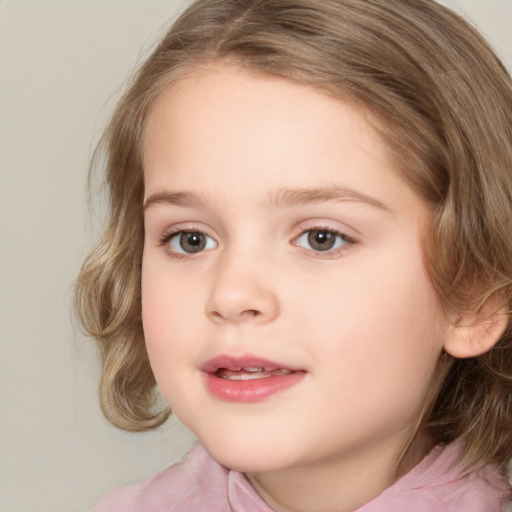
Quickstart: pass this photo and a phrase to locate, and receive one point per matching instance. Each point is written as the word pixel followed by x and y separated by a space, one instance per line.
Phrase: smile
pixel 250 373
pixel 248 379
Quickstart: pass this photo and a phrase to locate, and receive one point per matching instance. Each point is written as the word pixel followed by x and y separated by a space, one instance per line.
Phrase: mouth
pixel 250 373
pixel 248 378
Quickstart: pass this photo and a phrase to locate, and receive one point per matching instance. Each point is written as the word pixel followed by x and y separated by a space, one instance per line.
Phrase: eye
pixel 323 240
pixel 189 242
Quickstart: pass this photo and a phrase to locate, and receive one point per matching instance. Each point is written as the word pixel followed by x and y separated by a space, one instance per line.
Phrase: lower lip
pixel 253 390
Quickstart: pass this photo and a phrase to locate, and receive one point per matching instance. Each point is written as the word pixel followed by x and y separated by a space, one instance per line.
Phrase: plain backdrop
pixel 63 63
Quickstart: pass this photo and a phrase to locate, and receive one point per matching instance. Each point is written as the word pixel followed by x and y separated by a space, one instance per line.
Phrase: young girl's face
pixel 287 312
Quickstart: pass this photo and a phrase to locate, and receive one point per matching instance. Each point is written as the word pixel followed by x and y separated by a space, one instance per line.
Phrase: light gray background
pixel 62 64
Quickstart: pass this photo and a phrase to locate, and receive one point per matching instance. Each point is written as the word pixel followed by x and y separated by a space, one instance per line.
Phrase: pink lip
pixel 253 390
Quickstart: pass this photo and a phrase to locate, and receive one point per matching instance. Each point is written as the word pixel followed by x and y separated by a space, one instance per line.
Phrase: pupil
pixel 194 239
pixel 193 242
pixel 321 240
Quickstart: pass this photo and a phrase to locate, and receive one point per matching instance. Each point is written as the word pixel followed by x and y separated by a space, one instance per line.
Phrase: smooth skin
pixel 245 177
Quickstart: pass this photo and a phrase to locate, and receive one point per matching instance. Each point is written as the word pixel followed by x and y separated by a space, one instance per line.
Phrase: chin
pixel 249 457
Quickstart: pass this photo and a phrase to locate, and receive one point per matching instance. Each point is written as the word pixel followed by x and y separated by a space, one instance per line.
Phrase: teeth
pixel 247 376
pixel 251 374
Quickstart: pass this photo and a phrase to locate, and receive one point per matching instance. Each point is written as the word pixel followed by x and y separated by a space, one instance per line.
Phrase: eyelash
pixel 168 237
pixel 345 240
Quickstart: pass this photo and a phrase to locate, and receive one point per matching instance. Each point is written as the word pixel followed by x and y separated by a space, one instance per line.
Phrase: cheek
pixel 166 313
pixel 378 329
pixel 168 302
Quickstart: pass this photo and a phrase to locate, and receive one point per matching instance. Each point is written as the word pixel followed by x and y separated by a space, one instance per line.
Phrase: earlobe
pixel 472 335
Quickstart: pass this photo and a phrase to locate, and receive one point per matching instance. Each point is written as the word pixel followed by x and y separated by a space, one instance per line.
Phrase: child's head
pixel 405 86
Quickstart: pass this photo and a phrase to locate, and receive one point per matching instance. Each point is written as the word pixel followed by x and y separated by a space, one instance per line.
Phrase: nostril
pixel 242 316
pixel 251 313
pixel 231 316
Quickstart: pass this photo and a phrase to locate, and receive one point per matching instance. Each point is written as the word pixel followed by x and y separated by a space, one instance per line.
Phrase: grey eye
pixel 321 240
pixel 190 242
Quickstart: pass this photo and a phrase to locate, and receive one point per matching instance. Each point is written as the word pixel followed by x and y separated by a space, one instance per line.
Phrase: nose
pixel 242 290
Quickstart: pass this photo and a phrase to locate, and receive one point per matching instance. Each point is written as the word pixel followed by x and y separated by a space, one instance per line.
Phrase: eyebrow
pixel 286 197
pixel 280 198
pixel 174 199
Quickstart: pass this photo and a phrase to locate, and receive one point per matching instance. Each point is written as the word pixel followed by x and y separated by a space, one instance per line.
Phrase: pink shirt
pixel 201 484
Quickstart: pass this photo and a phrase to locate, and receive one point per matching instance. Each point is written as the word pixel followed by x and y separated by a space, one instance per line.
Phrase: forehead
pixel 223 125
pixel 224 96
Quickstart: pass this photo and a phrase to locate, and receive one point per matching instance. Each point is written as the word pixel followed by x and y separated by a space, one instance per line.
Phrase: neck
pixel 341 484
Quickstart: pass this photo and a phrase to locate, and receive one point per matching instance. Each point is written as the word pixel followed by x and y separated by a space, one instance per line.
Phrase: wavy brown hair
pixel 442 102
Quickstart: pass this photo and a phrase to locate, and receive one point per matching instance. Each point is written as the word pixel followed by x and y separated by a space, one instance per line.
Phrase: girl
pixel 309 250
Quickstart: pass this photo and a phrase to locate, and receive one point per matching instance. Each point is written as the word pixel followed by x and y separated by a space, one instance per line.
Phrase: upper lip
pixel 236 363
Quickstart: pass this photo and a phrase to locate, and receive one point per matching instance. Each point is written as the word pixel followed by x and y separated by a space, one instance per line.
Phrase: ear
pixel 474 333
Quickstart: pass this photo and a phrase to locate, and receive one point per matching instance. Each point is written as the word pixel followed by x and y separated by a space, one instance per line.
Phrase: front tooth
pixel 252 376
pixel 252 369
pixel 246 376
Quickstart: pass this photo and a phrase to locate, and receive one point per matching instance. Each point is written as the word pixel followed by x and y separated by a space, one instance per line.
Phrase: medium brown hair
pixel 442 102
